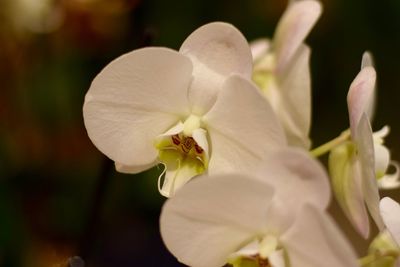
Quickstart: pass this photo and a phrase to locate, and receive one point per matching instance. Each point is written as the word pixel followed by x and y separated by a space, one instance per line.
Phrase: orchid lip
pixel 183 150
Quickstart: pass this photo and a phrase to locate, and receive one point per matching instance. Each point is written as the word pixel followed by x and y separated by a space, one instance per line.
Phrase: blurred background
pixel 59 196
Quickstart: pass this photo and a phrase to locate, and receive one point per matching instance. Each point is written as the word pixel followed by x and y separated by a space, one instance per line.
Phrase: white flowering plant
pixel 230 121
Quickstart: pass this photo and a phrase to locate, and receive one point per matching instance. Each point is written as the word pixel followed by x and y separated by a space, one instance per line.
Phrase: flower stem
pixel 92 225
pixel 325 148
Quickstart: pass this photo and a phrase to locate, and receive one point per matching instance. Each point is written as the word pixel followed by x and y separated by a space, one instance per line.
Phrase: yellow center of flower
pixel 187 145
pixel 256 253
pixel 182 156
pixel 251 261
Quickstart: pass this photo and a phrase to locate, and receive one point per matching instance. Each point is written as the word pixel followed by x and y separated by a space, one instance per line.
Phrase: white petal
pixel 250 249
pixel 174 130
pixel 135 168
pixel 390 211
pixel 359 96
pixel 135 98
pixel 216 50
pixel 382 159
pixel 314 241
pixel 391 181
pixel 293 28
pixel 277 259
pixel 242 127
pixel 346 177
pixel 365 147
pixel 212 217
pixel 200 136
pixel 259 48
pixel 295 107
pixel 368 61
pixel 381 134
pixel 298 179
pixel 178 171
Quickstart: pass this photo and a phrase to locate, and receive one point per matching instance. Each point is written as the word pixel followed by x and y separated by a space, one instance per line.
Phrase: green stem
pixel 325 148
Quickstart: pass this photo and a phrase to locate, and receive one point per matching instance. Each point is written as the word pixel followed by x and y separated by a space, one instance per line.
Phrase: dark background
pixel 59 196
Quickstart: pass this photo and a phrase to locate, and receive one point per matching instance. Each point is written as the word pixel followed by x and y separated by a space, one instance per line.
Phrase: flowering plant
pixel 230 124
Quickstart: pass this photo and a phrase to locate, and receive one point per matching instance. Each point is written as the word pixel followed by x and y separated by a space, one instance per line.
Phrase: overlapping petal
pixel 212 217
pixel 347 185
pixel 291 171
pixel 314 241
pixel 259 48
pixel 390 211
pixel 359 96
pixel 283 71
pixel 366 156
pixel 134 99
pixel 242 126
pixel 217 50
pixel 368 61
pixel 294 26
pixel 294 109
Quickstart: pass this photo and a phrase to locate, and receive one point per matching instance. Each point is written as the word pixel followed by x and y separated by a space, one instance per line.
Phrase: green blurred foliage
pixel 49 170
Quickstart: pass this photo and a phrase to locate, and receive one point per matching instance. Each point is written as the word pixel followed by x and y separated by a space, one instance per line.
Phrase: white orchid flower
pixel 194 111
pixel 352 164
pixel 274 219
pixel 356 165
pixel 281 69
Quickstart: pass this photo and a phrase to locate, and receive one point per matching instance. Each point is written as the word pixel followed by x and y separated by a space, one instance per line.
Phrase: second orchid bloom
pixel 356 165
pixel 274 218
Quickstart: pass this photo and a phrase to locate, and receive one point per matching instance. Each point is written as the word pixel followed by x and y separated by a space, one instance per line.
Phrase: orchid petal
pixel 134 99
pixel 368 61
pixel 314 241
pixel 277 258
pixel 346 184
pixel 178 171
pixel 295 107
pixel 381 134
pixel 390 211
pixel 205 221
pixel 382 159
pixel 135 168
pixel 365 147
pixel 246 251
pixel 298 179
pixel 391 181
pixel 217 50
pixel 242 126
pixel 359 96
pixel 259 48
pixel 200 136
pixel 294 26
